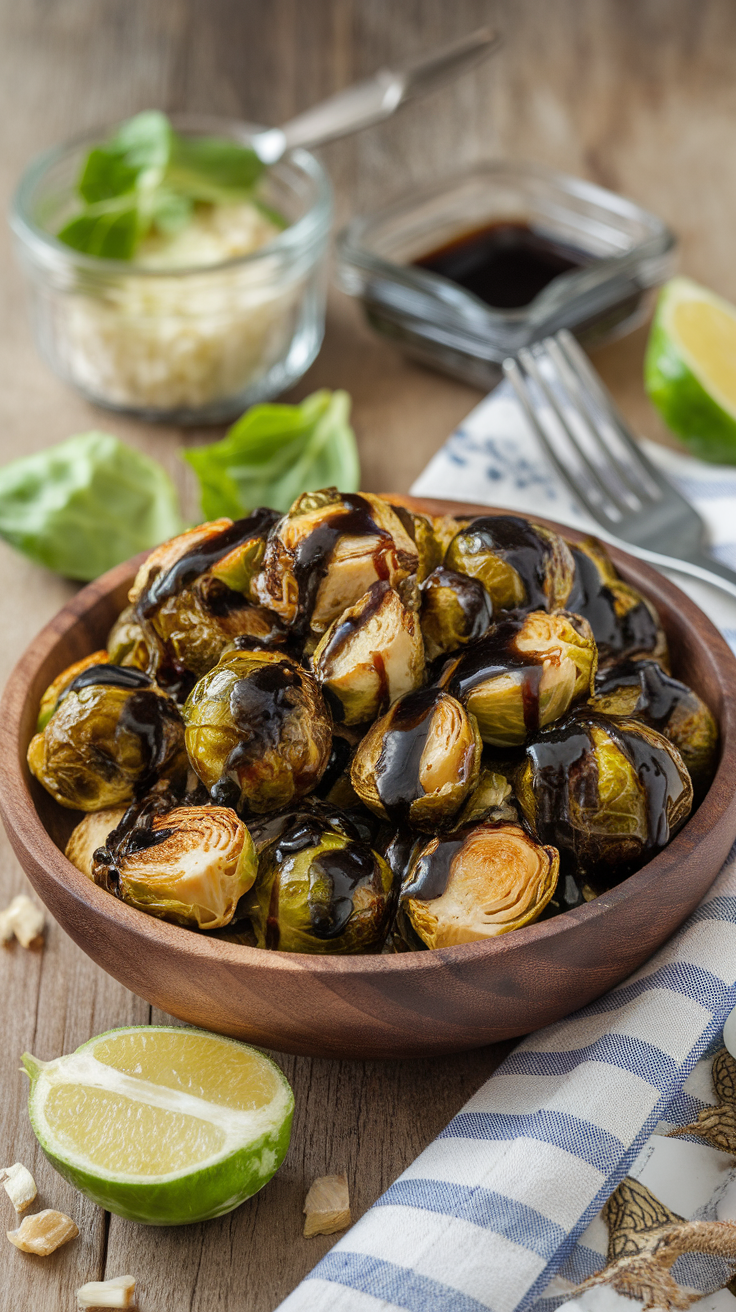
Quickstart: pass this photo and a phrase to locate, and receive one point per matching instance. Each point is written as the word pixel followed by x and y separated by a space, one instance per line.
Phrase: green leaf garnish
pixel 86 504
pixel 275 452
pixel 148 178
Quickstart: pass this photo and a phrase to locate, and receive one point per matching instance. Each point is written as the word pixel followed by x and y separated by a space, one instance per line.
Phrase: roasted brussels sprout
pixel 257 731
pixel 320 889
pixel 112 734
pixel 126 642
pixel 325 554
pixel 190 865
pixel 642 689
pixel 623 622
pixel 60 685
pixel 455 610
pixel 370 656
pixel 491 799
pixel 430 548
pixel 526 672
pixel 609 793
pixel 521 565
pixel 419 761
pixel 477 883
pixel 89 834
pixel 192 597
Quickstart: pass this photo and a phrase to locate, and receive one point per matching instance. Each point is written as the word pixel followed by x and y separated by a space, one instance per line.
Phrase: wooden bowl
pixel 409 1004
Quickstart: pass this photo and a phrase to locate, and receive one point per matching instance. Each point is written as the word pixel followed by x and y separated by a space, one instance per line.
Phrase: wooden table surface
pixel 635 94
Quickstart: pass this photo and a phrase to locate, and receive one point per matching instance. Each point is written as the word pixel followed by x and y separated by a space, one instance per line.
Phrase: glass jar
pixel 187 345
pixel 626 252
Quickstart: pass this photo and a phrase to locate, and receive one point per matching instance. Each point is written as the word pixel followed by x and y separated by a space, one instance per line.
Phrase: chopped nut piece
pixel 327 1206
pixel 43 1232
pixel 119 1292
pixel 19 1184
pixel 25 919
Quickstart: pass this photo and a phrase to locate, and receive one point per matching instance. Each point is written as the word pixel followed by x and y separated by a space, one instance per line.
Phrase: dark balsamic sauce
pixel 147 715
pixel 314 552
pixel 505 264
pixel 659 694
pixel 397 768
pixel 616 636
pixel 202 557
pixel 516 541
pixel 108 676
pixel 133 834
pixel 344 870
pixel 472 598
pixel 432 872
pixel 495 654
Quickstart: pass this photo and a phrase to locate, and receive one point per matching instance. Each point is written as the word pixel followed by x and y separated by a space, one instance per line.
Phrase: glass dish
pixel 185 345
pixel 442 325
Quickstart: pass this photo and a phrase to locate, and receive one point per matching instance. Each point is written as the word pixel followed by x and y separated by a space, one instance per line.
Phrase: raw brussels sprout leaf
pixel 274 453
pixel 86 504
pixel 147 176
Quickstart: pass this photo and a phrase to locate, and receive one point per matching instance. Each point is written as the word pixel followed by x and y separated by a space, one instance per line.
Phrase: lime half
pixel 690 368
pixel 162 1124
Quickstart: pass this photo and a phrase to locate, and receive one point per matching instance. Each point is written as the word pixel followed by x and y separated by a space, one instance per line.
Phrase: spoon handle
pixel 377 98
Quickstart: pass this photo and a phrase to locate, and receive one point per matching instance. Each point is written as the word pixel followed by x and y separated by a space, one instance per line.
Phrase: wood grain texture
pixel 635 94
pixel 397 1005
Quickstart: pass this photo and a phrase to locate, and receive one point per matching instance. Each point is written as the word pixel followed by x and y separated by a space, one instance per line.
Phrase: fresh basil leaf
pixel 86 504
pixel 105 176
pixel 145 140
pixel 212 168
pixel 275 452
pixel 111 235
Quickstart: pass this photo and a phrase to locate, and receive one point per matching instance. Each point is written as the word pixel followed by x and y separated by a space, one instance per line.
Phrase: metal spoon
pixel 375 99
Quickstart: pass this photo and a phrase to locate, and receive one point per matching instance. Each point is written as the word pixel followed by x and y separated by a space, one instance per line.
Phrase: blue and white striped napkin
pixel 501 1211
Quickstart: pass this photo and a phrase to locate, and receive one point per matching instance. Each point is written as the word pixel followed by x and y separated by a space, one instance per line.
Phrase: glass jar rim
pixel 312 225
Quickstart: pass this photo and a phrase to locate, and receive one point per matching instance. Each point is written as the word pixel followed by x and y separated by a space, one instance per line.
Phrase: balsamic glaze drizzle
pixel 314 552
pixel 517 542
pixel 616 635
pixel 659 694
pixel 397 768
pixel 202 557
pixel 495 654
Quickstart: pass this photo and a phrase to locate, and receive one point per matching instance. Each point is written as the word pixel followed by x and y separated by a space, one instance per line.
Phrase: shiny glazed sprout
pixel 419 762
pixel 258 733
pixel 190 865
pixel 370 656
pixel 609 793
pixel 520 564
pixel 455 610
pixel 642 688
pixel 624 624
pixel 320 889
pixel 112 733
pixel 478 882
pixel 526 672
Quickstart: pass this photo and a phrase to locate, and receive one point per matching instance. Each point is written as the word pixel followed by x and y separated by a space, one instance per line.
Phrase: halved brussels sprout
pixel 320 889
pixel 430 548
pixel 370 656
pixel 419 762
pixel 112 734
pixel 190 865
pixel 642 689
pixel 126 641
pixel 257 731
pixel 55 690
pixel 455 610
pixel 520 564
pixel 193 596
pixel 89 834
pixel 608 793
pixel 476 883
pixel 491 799
pixel 325 554
pixel 526 672
pixel 623 622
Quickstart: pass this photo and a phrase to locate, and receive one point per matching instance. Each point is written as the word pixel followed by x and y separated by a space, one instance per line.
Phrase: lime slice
pixel 162 1124
pixel 690 368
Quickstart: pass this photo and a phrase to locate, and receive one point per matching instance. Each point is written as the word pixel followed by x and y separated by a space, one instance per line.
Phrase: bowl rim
pixel 313 226
pixel 28 834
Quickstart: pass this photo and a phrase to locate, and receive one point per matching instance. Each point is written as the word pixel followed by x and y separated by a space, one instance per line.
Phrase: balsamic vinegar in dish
pixel 354 728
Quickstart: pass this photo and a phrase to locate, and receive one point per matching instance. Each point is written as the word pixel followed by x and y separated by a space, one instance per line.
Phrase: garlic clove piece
pixel 118 1292
pixel 19 1185
pixel 43 1232
pixel 327 1206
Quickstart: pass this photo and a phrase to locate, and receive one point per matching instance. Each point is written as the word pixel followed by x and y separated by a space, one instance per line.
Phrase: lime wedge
pixel 162 1124
pixel 690 368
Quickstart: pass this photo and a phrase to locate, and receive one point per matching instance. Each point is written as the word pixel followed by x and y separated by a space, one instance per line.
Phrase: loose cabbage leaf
pixel 274 453
pixel 86 504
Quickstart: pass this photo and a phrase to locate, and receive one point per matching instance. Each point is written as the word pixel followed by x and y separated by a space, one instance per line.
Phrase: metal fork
pixel 593 450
